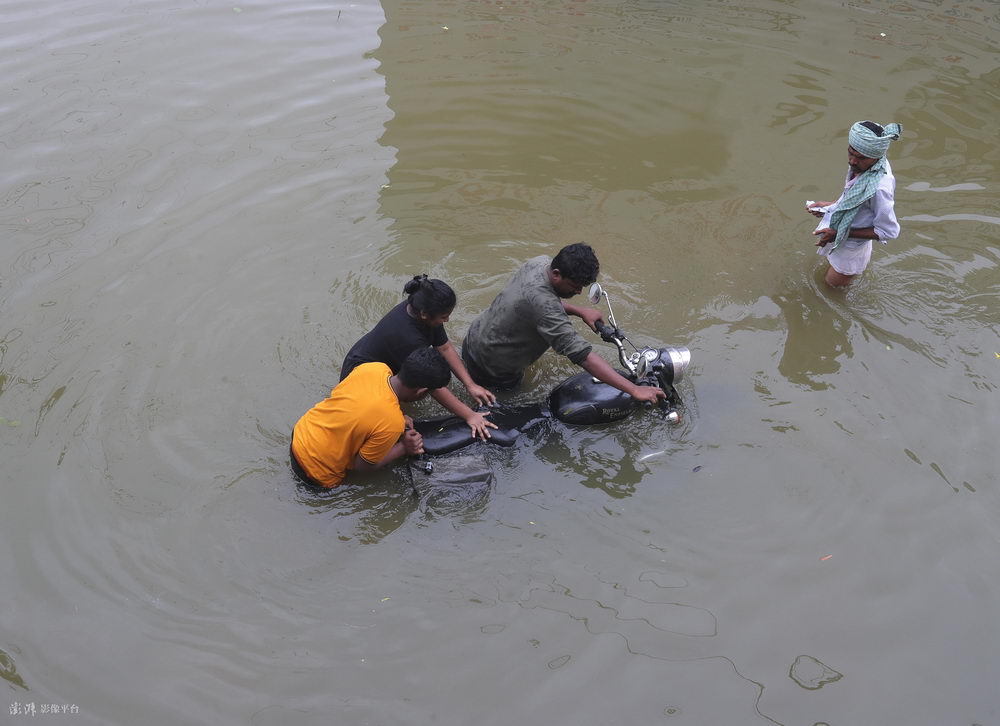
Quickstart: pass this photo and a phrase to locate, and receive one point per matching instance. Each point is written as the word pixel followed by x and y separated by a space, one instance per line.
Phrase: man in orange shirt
pixel 361 425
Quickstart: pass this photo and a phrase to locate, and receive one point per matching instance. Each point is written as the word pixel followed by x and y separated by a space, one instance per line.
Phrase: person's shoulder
pixel 534 270
pixel 398 311
pixel 887 183
pixel 530 278
pixel 366 372
pixel 399 326
pixel 368 386
pixel 531 265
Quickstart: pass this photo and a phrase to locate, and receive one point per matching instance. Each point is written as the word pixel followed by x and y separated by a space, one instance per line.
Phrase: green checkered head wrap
pixel 868 143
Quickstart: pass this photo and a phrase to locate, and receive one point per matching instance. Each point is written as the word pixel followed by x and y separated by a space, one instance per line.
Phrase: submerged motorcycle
pixel 581 399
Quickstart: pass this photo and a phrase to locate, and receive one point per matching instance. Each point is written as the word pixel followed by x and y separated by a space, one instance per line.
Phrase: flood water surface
pixel 204 205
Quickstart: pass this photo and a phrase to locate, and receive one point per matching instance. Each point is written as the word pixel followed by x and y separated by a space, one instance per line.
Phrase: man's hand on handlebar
pixel 606 332
pixel 648 394
pixel 590 316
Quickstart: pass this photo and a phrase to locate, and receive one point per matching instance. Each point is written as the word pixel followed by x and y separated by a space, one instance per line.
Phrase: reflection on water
pixel 368 509
pixel 458 486
pixel 604 457
pixel 817 338
pixel 8 671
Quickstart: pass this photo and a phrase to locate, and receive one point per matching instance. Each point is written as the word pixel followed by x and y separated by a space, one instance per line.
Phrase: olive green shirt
pixel 526 319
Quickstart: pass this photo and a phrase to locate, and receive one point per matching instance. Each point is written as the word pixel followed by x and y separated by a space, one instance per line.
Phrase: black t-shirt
pixel 395 337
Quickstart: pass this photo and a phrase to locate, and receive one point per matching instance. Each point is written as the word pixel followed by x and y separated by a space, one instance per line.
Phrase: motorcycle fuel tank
pixel 582 400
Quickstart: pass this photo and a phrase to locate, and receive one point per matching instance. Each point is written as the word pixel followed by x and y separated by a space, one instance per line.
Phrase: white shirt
pixel 876 212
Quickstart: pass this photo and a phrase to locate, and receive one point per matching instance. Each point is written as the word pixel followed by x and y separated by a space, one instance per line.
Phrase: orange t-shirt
pixel 361 416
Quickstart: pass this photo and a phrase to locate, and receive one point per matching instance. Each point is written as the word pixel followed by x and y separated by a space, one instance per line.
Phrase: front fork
pixel 669 405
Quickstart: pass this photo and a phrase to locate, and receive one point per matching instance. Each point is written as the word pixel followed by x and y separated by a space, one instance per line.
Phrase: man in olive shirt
pixel 530 316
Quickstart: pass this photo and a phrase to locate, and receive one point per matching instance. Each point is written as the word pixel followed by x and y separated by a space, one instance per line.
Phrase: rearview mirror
pixel 595 293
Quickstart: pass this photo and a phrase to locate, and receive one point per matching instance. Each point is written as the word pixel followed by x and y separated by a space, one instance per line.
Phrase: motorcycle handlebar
pixel 606 332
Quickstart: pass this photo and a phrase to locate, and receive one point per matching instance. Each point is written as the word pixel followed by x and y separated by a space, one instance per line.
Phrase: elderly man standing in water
pixel 864 212
pixel 530 315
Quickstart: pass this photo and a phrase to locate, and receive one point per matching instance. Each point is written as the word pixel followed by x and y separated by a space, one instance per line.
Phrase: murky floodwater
pixel 204 205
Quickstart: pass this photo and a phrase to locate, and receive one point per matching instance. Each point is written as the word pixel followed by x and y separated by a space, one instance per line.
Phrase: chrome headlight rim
pixel 679 358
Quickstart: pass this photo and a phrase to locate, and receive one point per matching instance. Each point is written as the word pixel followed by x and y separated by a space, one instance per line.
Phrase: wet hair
pixel 577 262
pixel 432 297
pixel 872 126
pixel 425 368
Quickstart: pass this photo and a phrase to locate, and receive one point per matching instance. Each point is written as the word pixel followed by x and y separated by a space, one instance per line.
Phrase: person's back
pixel 530 315
pixel 393 338
pixel 523 321
pixel 361 416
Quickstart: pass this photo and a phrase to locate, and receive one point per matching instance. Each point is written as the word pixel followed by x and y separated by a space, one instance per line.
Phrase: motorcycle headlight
pixel 675 362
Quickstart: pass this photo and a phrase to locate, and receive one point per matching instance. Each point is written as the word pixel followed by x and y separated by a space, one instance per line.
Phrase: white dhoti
pixel 851 256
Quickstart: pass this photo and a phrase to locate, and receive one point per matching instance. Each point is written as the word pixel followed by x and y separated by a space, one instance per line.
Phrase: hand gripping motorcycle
pixel 581 399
